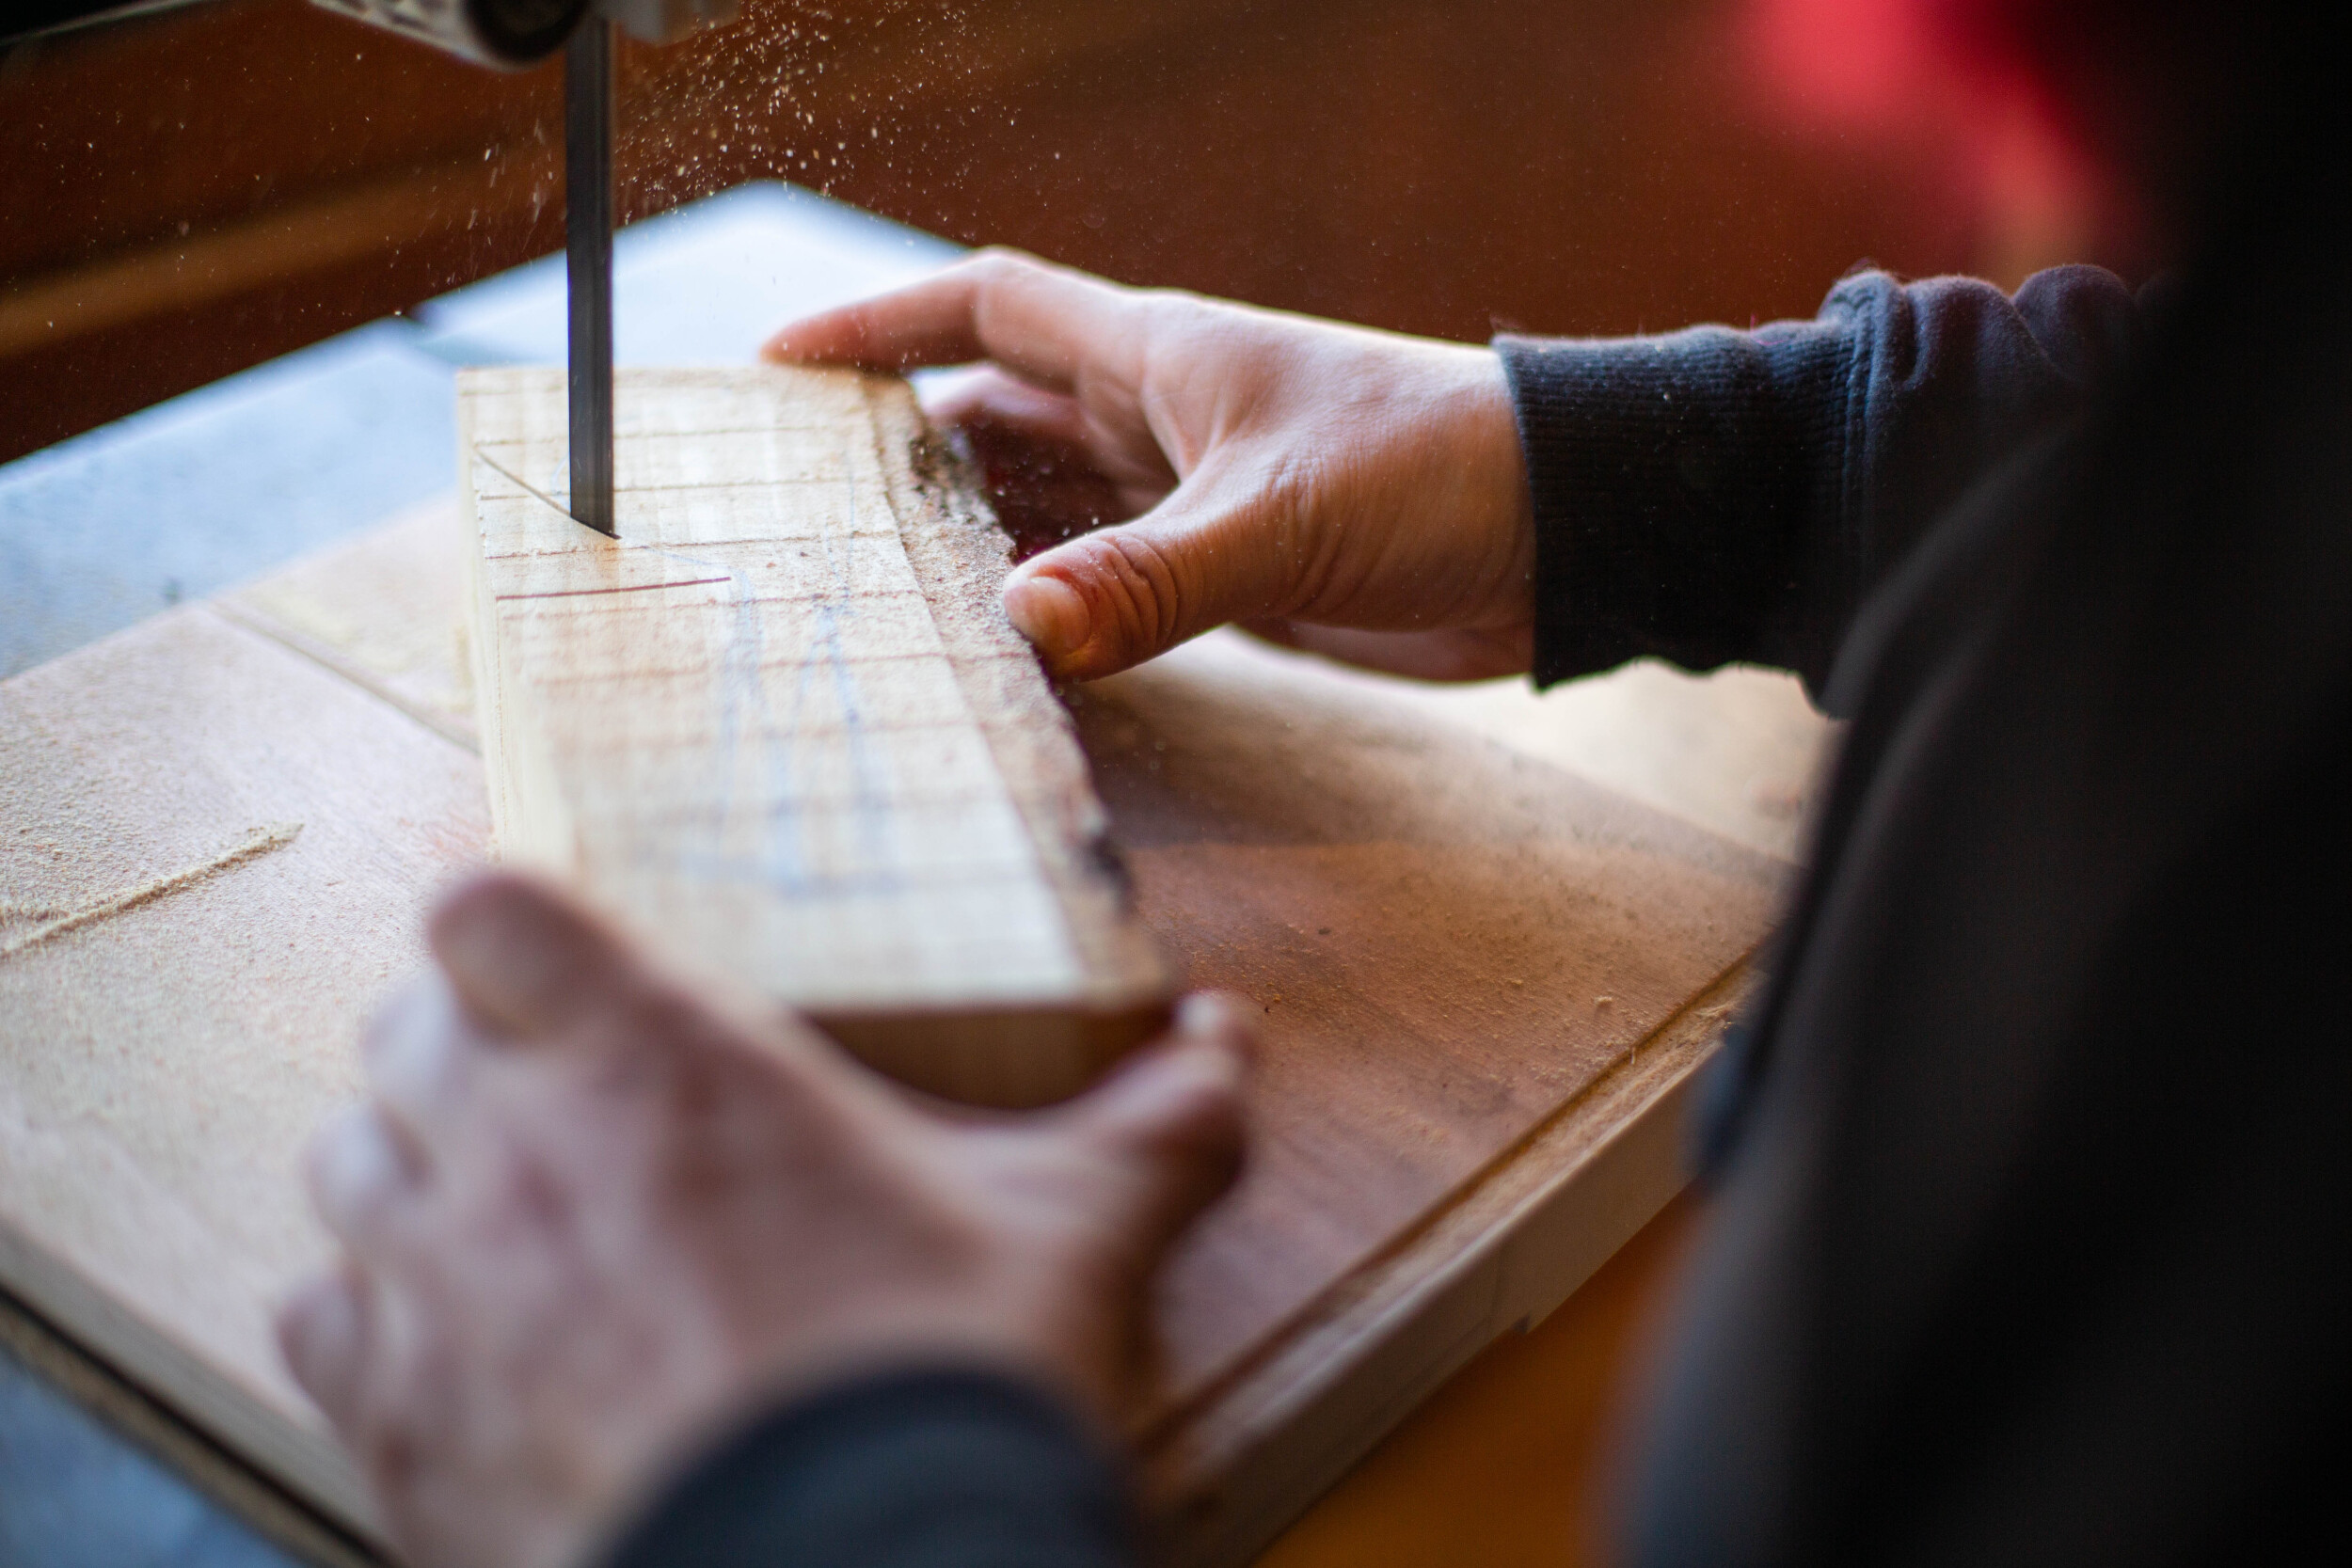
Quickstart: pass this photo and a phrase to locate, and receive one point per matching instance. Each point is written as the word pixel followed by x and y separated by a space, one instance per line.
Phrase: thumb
pixel 1171 1118
pixel 1119 595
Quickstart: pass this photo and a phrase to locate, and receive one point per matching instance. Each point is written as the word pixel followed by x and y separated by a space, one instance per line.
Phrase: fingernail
pixel 1049 613
pixel 1199 1013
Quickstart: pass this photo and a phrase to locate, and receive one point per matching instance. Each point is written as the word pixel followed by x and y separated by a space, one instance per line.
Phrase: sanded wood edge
pixel 481 631
pixel 182 1447
pixel 305 1461
pixel 520 771
pixel 960 557
pixel 1231 1472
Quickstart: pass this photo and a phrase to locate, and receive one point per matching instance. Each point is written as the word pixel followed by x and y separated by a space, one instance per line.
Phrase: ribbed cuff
pixel 916 1468
pixel 1672 481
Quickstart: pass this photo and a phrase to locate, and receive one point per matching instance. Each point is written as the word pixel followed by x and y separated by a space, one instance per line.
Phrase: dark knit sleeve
pixel 911 1469
pixel 1715 494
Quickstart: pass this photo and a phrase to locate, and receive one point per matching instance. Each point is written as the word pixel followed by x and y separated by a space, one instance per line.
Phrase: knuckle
pixel 1143 587
pixel 378 1034
pixel 999 266
pixel 360 1174
pixel 1167 321
pixel 1309 561
pixel 999 257
pixel 413 1052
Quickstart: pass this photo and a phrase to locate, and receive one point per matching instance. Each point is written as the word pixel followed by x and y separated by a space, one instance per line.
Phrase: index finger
pixel 1042 323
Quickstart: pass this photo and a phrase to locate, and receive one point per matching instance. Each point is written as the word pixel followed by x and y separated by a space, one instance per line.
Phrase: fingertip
pixel 1049 611
pixel 1217 1019
pixel 812 338
pixel 1211 1012
pixel 474 912
pixel 1171 1119
pixel 1185 1089
pixel 1216 1039
pixel 1216 1066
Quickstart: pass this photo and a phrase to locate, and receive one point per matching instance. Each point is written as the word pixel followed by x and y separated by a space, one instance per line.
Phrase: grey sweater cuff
pixel 1675 482
pixel 918 1468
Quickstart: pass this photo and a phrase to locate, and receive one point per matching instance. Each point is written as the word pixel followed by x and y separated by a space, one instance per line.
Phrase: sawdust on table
pixel 52 921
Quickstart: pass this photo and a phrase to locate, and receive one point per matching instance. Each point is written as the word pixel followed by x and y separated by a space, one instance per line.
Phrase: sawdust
pixel 12 911
pixel 260 841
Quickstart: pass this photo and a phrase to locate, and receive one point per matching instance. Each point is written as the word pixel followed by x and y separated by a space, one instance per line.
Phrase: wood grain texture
pixel 1438 1154
pixel 1447 942
pixel 782 726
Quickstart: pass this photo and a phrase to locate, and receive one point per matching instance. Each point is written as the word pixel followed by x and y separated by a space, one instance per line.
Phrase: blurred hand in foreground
pixel 592 1216
pixel 1354 493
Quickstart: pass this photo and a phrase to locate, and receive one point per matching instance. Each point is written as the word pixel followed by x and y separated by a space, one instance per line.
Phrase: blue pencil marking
pixel 780 859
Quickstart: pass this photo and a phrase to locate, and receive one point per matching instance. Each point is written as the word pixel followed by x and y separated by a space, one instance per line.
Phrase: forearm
pixel 1715 494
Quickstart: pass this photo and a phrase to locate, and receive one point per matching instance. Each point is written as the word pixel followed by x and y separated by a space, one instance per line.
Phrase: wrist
pixel 1502 453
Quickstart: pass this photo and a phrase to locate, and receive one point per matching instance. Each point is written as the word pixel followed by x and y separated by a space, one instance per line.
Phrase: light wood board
pixel 1483 984
pixel 165 1059
pixel 781 725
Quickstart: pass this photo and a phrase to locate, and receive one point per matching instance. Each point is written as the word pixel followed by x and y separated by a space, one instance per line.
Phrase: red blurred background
pixel 198 191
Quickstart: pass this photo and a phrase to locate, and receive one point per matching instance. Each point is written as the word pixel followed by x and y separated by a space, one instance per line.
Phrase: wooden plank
pixel 781 725
pixel 1497 1257
pixel 1483 984
pixel 1439 1154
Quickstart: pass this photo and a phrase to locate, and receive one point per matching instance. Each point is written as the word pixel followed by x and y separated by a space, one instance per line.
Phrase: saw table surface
pixel 1485 980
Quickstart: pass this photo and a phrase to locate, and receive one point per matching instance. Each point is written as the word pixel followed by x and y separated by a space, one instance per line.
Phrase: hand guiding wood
pixel 592 1216
pixel 1353 493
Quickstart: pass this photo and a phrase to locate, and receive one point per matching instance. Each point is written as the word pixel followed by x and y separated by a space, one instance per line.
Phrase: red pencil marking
pixel 582 592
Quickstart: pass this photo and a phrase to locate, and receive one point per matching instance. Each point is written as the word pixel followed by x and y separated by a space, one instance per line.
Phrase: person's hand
pixel 1351 492
pixel 591 1216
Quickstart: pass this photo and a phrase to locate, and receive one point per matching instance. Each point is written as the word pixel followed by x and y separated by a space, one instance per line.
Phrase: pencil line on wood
pixel 586 593
pixel 694 434
pixel 765 541
pixel 793 661
pixel 517 480
pixel 336 662
pixel 687 485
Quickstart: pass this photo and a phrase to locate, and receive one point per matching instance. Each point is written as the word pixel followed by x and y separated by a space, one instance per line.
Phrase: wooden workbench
pixel 1484 981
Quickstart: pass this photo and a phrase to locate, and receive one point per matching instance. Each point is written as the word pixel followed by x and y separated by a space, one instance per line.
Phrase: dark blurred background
pixel 198 190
